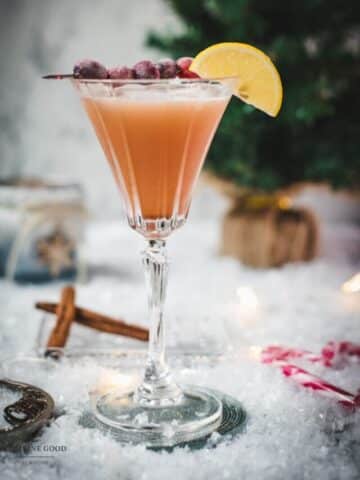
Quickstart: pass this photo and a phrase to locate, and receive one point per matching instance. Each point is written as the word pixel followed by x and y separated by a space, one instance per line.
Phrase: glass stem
pixel 158 386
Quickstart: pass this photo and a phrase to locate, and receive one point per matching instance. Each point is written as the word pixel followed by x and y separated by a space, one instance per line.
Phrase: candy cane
pixel 308 380
pixel 336 352
pixel 333 354
pixel 276 353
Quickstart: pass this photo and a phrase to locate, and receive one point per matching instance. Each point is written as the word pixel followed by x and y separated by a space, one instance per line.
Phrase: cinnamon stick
pixel 65 313
pixel 100 322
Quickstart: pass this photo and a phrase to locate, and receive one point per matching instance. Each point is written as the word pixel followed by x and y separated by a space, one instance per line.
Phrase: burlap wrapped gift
pixel 269 237
pixel 264 230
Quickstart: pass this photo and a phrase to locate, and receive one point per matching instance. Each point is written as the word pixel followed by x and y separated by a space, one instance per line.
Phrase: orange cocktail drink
pixel 156 144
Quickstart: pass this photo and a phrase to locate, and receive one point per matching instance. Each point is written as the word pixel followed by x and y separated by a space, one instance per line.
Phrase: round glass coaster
pixel 190 423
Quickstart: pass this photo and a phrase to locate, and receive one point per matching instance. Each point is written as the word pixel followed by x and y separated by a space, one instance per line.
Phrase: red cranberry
pixel 188 74
pixel 146 70
pixel 167 68
pixel 89 69
pixel 184 63
pixel 121 73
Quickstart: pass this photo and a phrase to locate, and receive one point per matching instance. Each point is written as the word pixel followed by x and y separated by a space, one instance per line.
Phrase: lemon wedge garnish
pixel 259 82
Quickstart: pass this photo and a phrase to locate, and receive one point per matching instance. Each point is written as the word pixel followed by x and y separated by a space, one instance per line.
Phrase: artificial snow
pixel 215 306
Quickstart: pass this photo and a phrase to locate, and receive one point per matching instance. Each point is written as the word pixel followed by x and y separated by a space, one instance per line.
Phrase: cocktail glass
pixel 155 135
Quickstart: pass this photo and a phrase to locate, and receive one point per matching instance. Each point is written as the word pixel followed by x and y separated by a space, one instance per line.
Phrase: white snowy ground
pixel 214 304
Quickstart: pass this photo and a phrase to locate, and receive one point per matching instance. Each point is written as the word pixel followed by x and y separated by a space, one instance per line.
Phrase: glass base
pixel 197 414
pixel 159 228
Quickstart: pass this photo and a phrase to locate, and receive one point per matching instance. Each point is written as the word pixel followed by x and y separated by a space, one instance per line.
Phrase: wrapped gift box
pixel 41 230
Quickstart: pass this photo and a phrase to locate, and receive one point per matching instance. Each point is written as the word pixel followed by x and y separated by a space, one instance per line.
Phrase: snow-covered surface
pixel 214 304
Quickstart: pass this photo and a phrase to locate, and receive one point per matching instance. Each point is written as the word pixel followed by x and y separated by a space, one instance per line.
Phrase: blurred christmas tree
pixel 316 47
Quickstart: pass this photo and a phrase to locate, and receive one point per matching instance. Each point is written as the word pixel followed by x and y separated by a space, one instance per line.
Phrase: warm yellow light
pixel 248 299
pixel 255 352
pixel 284 202
pixel 352 285
pixel 111 380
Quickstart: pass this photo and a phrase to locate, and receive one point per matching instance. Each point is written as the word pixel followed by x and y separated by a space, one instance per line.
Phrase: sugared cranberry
pixel 146 70
pixel 184 63
pixel 167 68
pixel 188 74
pixel 121 73
pixel 89 69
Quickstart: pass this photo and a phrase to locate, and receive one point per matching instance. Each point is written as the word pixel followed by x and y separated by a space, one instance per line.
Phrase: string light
pixel 352 285
pixel 110 380
pixel 248 300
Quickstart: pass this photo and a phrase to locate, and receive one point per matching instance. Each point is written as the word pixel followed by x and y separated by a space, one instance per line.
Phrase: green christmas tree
pixel 315 44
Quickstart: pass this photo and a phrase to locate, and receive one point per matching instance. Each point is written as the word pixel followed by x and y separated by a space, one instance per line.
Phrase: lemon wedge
pixel 259 82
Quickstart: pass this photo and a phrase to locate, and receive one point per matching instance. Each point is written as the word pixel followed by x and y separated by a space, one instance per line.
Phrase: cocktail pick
pixel 57 76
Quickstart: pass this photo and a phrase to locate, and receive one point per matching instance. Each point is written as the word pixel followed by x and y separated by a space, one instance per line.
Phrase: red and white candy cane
pixel 340 352
pixel 333 354
pixel 308 380
pixel 274 353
